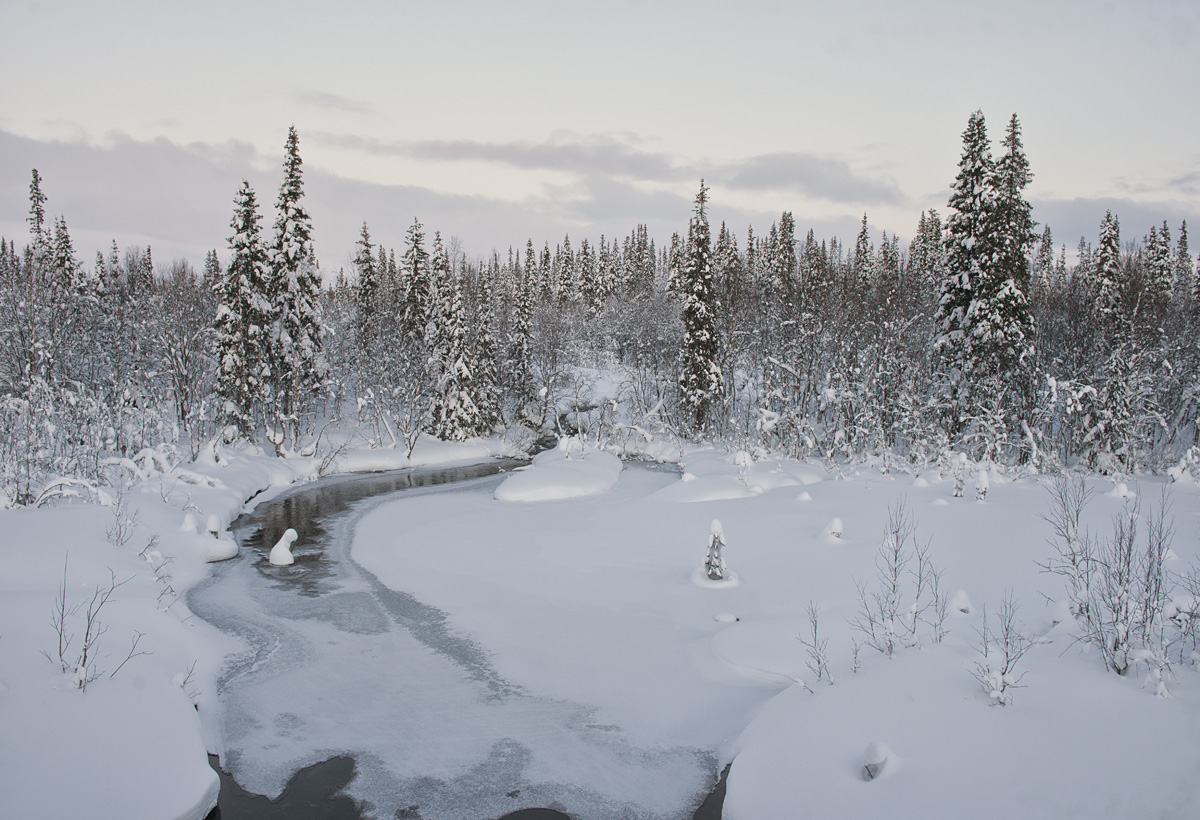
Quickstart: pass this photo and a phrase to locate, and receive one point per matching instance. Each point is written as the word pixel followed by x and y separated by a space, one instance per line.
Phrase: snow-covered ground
pixel 578 580
pixel 594 600
pixel 132 744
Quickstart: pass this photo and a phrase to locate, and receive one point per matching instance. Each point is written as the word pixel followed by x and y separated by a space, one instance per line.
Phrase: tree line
pixel 978 337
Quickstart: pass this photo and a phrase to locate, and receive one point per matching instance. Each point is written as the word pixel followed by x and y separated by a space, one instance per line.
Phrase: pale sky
pixel 495 122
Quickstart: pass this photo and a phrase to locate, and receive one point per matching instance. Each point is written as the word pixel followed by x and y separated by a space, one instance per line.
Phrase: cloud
pixel 1070 219
pixel 333 102
pixel 813 176
pixel 598 154
pixel 179 199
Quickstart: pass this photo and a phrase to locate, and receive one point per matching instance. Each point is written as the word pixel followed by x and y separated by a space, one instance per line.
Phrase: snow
pixel 134 743
pixel 281 553
pixel 586 605
pixel 571 470
pixel 636 676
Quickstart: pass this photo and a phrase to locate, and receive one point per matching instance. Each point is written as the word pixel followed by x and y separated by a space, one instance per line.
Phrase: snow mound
pixel 706 488
pixel 961 603
pixel 877 760
pixel 804 496
pixel 920 481
pixel 832 534
pixel 726 618
pixel 1121 491
pixel 281 553
pixel 700 578
pixel 571 470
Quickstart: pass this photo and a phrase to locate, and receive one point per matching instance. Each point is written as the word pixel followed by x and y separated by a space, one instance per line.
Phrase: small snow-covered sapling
pixel 714 564
pixel 981 486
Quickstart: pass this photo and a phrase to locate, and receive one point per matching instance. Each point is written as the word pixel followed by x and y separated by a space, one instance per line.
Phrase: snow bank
pixel 133 744
pixel 595 602
pixel 570 470
pixel 129 745
pixel 714 475
pixel 428 451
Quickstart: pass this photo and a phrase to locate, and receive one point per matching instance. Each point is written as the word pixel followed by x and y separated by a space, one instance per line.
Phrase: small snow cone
pixel 714 564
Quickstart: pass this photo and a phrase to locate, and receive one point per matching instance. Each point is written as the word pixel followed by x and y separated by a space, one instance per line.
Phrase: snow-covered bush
pixel 816 646
pixel 902 599
pixel 999 651
pixel 1118 588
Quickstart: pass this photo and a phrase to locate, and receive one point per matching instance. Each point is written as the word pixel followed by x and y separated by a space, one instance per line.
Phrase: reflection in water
pixel 307 509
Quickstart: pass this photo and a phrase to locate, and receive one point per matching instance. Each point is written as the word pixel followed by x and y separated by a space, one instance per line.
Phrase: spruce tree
pixel 1108 278
pixel 520 345
pixel 413 272
pixel 700 371
pixel 299 367
pixel 454 415
pixel 969 247
pixel 1184 273
pixel 1002 331
pixel 366 290
pixel 864 258
pixel 243 321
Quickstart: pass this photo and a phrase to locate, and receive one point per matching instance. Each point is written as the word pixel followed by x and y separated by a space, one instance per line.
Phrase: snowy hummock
pixel 571 470
pixel 281 553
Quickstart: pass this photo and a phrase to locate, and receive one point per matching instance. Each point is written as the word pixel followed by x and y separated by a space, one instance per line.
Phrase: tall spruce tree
pixel 454 415
pixel 366 290
pixel 299 367
pixel 1108 277
pixel 243 321
pixel 1002 325
pixel 969 247
pixel 413 272
pixel 700 371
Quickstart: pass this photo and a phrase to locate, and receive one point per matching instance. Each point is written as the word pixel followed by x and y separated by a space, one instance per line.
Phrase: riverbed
pixel 337 666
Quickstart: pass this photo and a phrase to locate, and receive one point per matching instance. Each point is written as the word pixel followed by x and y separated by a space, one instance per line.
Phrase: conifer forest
pixel 983 335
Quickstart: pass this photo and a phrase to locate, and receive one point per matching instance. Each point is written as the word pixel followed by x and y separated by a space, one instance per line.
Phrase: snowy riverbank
pixel 133 743
pixel 596 604
pixel 587 592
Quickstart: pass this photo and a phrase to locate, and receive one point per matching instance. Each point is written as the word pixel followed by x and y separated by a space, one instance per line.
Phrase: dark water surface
pixel 317 791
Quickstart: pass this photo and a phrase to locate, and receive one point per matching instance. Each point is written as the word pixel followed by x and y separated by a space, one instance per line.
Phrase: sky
pixel 497 122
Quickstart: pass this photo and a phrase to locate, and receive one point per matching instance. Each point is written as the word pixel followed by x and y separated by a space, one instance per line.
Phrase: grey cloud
pixel 1070 219
pixel 811 176
pixel 333 102
pixel 591 155
pixel 1186 183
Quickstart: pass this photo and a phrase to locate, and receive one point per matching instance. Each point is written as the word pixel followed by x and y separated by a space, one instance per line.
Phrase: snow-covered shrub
pixel 80 662
pixel 902 599
pixel 816 646
pixel 999 651
pixel 1118 589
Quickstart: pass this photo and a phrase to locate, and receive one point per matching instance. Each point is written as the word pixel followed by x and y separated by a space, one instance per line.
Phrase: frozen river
pixel 335 664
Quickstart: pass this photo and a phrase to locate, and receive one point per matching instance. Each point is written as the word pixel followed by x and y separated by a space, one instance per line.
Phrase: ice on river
pixel 370 671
